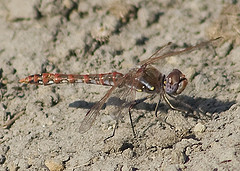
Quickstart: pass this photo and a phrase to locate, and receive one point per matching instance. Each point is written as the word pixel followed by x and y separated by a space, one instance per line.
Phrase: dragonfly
pixel 142 78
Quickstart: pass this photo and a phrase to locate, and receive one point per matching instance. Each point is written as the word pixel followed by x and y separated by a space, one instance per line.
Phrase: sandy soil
pixel 103 36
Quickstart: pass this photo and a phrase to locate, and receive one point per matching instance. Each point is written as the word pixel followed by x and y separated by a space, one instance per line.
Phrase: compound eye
pixel 181 85
pixel 170 87
pixel 175 82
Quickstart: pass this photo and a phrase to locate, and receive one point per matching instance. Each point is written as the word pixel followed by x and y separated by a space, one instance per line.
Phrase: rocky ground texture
pixel 73 36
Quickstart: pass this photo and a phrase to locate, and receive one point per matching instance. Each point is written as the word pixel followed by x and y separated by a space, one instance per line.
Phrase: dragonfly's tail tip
pixel 23 80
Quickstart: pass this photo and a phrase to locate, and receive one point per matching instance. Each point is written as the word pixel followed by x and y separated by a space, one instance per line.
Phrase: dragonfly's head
pixel 175 82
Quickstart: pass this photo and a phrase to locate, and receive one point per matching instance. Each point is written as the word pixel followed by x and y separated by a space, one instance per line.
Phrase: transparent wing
pixel 120 101
pixel 165 51
pixel 119 97
pixel 161 51
pixel 91 115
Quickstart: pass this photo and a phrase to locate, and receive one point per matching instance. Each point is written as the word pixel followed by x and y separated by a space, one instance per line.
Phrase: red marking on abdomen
pixel 35 78
pixel 86 79
pixel 46 77
pixel 101 81
pixel 56 78
pixel 71 78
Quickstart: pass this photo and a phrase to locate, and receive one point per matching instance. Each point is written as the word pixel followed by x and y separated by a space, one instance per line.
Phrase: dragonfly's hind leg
pixel 114 130
pixel 130 115
pixel 156 108
pixel 162 120
pixel 136 102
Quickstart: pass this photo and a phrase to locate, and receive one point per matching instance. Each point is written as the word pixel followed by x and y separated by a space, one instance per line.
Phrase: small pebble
pixel 199 128
pixel 54 165
pixel 68 4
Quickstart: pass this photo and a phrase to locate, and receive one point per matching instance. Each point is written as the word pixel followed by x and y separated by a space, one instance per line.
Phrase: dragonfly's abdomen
pixel 108 79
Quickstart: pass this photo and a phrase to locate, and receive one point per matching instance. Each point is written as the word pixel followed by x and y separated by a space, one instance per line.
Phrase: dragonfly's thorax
pixel 150 81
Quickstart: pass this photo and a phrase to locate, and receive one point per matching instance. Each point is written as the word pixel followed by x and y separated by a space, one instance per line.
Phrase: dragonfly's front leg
pixel 195 112
pixel 173 107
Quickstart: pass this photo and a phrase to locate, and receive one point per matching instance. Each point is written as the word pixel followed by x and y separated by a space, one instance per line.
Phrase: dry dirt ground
pixel 102 36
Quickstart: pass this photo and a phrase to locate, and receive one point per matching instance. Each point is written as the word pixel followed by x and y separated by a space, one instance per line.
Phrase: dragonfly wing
pixel 119 97
pixel 120 101
pixel 123 97
pixel 90 117
pixel 166 51
pixel 161 51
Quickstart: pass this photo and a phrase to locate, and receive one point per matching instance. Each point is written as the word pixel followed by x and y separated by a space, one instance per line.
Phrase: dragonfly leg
pixel 173 107
pixel 196 111
pixel 114 130
pixel 130 116
pixel 156 108
pixel 136 102
pixel 162 120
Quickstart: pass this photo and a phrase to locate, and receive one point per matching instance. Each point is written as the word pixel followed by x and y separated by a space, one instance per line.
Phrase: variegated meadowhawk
pixel 143 78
